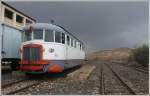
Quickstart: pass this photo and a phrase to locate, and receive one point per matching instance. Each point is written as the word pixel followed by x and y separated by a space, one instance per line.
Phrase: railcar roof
pixel 43 26
pixel 50 27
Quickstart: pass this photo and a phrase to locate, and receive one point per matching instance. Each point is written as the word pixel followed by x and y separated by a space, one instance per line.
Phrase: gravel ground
pixel 138 79
pixel 66 86
pixel 92 85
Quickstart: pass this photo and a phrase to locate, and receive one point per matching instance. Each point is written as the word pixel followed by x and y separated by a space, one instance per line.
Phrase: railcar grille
pixel 31 54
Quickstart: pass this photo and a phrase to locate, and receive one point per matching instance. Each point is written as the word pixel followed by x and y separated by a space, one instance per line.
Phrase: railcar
pixel 49 48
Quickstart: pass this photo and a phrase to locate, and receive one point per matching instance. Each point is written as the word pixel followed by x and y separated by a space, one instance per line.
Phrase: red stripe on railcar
pixel 35 62
pixel 31 68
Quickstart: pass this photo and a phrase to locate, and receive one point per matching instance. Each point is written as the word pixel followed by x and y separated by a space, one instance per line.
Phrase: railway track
pixel 102 90
pixel 15 87
pixel 141 70
pixel 11 83
pixel 136 68
pixel 125 84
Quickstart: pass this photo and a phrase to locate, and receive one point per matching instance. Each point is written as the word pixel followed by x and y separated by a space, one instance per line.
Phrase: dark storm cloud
pixel 101 25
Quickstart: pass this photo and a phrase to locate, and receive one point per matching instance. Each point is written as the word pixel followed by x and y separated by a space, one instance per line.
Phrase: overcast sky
pixel 100 25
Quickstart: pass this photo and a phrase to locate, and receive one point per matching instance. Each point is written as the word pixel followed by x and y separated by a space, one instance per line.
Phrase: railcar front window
pixel 27 35
pixel 49 37
pixel 58 37
pixel 38 34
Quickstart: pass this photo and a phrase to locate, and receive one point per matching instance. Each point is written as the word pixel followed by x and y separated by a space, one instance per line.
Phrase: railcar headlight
pixel 51 50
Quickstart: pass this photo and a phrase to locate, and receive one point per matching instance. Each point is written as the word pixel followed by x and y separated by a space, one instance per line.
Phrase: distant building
pixel 11 23
pixel 13 17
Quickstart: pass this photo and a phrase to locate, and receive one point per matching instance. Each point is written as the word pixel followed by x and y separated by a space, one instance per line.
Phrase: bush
pixel 140 54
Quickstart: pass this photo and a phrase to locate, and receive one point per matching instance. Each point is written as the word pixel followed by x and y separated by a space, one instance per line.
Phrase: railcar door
pixel 67 50
pixel 63 42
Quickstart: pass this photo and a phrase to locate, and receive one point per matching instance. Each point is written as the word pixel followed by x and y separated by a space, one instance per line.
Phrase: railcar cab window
pixel 63 38
pixel 27 35
pixel 58 37
pixel 38 34
pixel 68 40
pixel 49 37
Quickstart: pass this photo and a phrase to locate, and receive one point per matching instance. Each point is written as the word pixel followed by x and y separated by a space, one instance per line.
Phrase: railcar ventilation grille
pixel 31 54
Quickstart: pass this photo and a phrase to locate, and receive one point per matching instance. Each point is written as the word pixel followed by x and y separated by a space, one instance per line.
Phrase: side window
pixel 75 44
pixel 28 22
pixel 19 19
pixel 49 37
pixel 72 42
pixel 68 40
pixel 58 37
pixel 80 46
pixel 63 38
pixel 8 14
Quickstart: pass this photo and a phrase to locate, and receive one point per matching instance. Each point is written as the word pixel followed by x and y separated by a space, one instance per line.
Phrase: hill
pixel 114 54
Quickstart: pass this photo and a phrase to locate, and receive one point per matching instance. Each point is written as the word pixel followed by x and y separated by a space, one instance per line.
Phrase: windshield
pixel 27 35
pixel 38 34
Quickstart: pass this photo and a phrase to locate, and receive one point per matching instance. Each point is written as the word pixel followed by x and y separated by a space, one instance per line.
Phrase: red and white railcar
pixel 49 48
